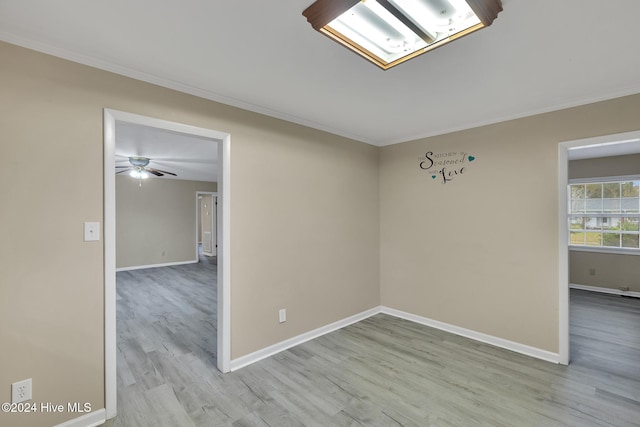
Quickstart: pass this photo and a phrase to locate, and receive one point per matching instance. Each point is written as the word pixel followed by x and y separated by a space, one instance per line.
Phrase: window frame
pixel 600 249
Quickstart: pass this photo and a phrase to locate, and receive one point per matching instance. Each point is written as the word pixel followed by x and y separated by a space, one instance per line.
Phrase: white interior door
pixel 207 219
pixel 214 226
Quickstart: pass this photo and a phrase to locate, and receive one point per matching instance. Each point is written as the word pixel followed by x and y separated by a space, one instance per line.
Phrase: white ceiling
pixel 539 55
pixel 620 148
pixel 189 157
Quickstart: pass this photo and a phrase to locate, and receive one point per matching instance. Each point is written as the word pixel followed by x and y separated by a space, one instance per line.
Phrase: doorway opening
pixel 111 120
pixel 612 145
pixel 207 224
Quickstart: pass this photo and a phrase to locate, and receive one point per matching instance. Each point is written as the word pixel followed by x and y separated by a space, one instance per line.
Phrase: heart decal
pixel 433 176
pixel 471 158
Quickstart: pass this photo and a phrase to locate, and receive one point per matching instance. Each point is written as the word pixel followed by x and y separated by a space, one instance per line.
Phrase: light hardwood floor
pixel 382 371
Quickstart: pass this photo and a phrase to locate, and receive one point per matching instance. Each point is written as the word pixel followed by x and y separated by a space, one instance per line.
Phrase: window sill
pixel 604 250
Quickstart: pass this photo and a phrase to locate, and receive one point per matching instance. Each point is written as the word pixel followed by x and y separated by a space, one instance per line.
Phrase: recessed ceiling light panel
pixel 389 32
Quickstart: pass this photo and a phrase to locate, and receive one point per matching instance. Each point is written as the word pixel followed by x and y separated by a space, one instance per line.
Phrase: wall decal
pixel 446 166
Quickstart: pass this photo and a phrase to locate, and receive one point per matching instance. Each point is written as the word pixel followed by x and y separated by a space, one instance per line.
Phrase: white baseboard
pixel 91 419
pixel 256 356
pixel 166 264
pixel 605 290
pixel 478 336
pixel 248 359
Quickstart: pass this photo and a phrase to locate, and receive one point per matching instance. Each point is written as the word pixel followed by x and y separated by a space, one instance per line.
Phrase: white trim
pixel 563 228
pixel 508 117
pixel 110 343
pixel 91 419
pixel 605 249
pixel 617 138
pixel 224 255
pixel 477 336
pixel 602 290
pixel 207 94
pixel 563 254
pixel 256 356
pixel 271 350
pixel 607 215
pixel 603 178
pixel 603 141
pixel 178 86
pixel 166 264
pixel 224 278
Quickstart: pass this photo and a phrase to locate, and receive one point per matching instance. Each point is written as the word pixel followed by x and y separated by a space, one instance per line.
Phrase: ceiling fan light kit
pixel 139 174
pixel 139 169
pixel 138 165
pixel 390 32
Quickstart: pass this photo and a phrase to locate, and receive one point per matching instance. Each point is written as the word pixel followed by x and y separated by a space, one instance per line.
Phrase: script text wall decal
pixel 446 166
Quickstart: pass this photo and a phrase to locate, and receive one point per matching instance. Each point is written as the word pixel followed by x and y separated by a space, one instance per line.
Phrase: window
pixel 605 213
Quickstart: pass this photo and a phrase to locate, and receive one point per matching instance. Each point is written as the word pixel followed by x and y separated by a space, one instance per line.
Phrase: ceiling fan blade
pixel 152 170
pixel 123 167
pixel 123 170
pixel 155 172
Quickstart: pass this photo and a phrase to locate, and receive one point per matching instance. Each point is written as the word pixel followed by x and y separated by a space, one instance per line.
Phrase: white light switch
pixel 91 231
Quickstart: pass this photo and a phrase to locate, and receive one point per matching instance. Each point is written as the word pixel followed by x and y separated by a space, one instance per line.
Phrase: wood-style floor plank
pixel 382 371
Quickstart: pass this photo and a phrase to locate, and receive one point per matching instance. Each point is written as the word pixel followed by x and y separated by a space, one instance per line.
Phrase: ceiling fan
pixel 138 168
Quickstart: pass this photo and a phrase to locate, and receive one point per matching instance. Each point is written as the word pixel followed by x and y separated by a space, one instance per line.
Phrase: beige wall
pixel 156 222
pixel 613 271
pixel 605 166
pixel 481 252
pixel 305 231
pixel 343 227
pixel 308 244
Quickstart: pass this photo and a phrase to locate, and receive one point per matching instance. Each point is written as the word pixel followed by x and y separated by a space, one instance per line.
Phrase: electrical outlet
pixel 592 272
pixel 21 391
pixel 282 315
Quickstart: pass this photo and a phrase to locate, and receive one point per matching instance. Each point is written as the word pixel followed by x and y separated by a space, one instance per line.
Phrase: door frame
pixel 198 218
pixel 223 139
pixel 563 227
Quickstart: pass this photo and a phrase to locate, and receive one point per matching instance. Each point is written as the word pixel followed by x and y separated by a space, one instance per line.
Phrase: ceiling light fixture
pixel 139 169
pixel 389 32
pixel 139 173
